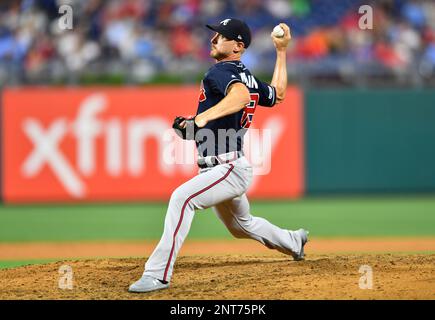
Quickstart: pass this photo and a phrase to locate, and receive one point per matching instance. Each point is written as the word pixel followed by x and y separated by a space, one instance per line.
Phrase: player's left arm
pixel 236 99
pixel 279 79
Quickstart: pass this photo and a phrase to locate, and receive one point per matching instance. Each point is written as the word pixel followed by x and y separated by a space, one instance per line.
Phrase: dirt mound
pixel 395 276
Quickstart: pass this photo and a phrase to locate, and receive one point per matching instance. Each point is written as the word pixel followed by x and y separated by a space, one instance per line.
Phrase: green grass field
pixel 324 217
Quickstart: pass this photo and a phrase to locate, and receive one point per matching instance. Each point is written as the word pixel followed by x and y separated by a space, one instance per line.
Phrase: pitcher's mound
pixel 233 277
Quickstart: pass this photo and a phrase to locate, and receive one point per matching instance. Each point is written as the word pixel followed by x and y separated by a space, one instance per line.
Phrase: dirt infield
pixel 273 276
pixel 68 250
pixel 229 269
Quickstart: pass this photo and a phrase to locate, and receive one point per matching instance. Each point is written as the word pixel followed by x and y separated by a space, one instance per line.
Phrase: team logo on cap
pixel 239 37
pixel 225 22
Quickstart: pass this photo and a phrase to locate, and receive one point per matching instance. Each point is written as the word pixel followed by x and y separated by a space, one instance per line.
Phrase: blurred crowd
pixel 141 40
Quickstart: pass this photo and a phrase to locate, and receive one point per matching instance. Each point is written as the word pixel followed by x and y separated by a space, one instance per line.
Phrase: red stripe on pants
pixel 182 214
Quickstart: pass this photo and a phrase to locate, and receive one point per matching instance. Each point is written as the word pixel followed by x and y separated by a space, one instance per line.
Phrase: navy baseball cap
pixel 233 29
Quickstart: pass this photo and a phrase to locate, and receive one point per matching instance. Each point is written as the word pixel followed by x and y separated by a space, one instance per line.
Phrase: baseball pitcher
pixel 228 98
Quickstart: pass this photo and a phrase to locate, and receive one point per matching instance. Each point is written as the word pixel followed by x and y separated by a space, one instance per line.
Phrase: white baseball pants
pixel 222 187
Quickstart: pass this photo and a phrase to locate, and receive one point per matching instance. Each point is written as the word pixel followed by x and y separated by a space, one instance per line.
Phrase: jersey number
pixel 248 111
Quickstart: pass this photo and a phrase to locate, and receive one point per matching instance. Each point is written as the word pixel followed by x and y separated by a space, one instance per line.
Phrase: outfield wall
pixel 99 143
pixel 369 141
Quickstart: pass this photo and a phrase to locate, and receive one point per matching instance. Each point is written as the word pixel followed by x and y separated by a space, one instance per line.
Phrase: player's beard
pixel 215 54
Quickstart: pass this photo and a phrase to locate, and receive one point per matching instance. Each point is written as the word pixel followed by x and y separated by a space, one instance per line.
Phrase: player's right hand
pixel 282 43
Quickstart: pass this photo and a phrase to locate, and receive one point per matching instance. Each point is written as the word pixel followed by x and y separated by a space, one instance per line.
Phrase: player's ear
pixel 239 47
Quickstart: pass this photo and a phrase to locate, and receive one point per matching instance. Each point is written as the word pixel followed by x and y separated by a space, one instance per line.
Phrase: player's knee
pixel 178 197
pixel 245 224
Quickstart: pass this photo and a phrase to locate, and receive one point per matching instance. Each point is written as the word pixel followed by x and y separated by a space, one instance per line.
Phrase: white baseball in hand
pixel 278 32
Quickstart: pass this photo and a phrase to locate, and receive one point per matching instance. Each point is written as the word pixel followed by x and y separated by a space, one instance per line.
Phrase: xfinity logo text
pixel 116 146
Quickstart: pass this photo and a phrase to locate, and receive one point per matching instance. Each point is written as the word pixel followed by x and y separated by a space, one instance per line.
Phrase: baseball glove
pixel 189 130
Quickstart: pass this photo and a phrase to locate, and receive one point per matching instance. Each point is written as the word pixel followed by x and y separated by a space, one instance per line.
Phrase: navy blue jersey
pixel 226 134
